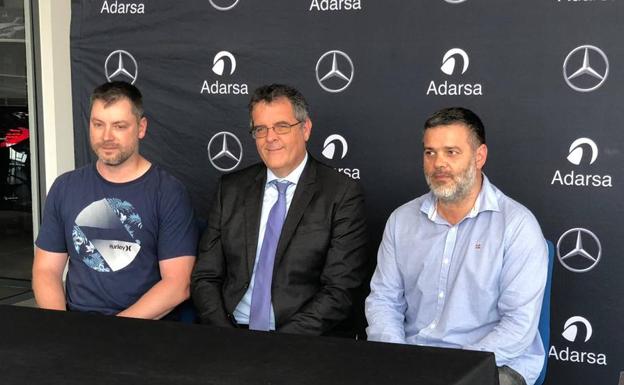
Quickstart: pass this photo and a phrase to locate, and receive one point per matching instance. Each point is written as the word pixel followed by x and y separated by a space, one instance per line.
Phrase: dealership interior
pixel 35 91
pixel 16 216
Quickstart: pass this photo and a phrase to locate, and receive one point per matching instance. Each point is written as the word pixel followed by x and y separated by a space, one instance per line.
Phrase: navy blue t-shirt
pixel 115 234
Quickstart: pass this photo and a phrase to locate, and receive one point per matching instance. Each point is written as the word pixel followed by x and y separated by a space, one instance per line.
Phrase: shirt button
pixel 445 261
pixel 433 325
pixel 441 294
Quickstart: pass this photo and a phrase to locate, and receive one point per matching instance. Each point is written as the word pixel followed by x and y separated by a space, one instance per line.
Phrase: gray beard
pixel 457 191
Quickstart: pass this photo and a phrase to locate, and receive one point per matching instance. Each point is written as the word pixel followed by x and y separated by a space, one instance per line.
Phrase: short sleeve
pixel 51 235
pixel 177 230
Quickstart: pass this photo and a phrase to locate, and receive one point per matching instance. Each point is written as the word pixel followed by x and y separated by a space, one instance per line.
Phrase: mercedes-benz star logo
pixel 589 76
pixel 121 64
pixel 217 4
pixel 221 152
pixel 336 76
pixel 578 258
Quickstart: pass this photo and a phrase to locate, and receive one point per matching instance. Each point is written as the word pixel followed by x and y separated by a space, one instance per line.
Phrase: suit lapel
pixel 306 189
pixel 253 210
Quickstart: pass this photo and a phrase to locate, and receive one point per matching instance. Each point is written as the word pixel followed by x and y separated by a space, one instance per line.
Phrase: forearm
pixel 519 305
pixel 157 302
pixel 386 320
pixel 324 311
pixel 209 303
pixel 341 280
pixel 207 286
pixel 49 291
pixel 210 270
pixel 507 341
pixel 386 304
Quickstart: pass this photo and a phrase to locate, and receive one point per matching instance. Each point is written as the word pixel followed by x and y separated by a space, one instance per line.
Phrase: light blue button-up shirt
pixel 241 313
pixel 474 285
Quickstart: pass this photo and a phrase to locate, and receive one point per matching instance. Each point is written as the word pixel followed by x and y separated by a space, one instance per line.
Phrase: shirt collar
pixel 293 177
pixel 486 201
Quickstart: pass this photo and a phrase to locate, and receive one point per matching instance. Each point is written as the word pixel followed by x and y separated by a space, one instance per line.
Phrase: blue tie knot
pixel 281 186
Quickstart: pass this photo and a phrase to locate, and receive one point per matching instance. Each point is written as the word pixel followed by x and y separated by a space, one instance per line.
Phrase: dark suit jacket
pixel 320 259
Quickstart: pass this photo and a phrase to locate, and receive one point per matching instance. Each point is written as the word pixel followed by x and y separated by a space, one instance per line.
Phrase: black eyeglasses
pixel 279 129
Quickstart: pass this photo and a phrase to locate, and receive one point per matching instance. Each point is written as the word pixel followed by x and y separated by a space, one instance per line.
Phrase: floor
pixel 16 292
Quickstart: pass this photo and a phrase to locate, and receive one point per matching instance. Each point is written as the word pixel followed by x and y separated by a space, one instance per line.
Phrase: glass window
pixel 16 235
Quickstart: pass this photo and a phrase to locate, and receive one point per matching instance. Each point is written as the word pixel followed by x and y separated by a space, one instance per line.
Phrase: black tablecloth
pixel 50 347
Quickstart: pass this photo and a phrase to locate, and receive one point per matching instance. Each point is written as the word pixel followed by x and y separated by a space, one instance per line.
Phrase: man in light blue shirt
pixel 463 266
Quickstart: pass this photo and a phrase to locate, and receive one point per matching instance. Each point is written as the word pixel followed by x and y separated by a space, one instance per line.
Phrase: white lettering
pixel 353 173
pixel 568 355
pixel 335 5
pixel 574 179
pixel 118 8
pixel 217 88
pixel 447 88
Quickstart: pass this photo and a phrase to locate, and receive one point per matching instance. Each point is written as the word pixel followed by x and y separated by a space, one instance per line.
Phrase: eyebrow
pixel 278 122
pixel 94 119
pixel 443 148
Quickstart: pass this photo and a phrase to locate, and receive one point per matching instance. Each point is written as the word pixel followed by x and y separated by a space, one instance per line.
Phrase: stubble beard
pixel 122 155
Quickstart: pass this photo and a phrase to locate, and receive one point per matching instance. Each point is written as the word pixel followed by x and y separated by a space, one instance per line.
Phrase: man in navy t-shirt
pixel 126 225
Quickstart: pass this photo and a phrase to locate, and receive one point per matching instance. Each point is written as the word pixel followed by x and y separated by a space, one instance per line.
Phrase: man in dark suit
pixel 285 245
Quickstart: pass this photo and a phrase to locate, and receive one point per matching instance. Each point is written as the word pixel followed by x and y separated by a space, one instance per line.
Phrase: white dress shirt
pixel 241 313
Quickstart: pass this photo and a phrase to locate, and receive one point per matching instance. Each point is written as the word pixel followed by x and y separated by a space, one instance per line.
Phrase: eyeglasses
pixel 279 129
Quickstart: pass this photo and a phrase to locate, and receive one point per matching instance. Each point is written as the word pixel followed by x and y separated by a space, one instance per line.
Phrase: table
pixel 52 347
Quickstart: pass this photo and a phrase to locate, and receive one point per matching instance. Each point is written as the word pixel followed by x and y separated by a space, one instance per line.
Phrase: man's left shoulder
pixel 509 205
pixel 330 177
pixel 167 191
pixel 167 181
pixel 514 213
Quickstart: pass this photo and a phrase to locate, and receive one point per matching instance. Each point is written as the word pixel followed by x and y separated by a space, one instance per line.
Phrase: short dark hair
pixel 268 93
pixel 112 92
pixel 452 115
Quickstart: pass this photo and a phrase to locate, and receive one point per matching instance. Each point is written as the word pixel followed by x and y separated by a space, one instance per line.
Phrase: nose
pixel 439 161
pixel 271 135
pixel 107 134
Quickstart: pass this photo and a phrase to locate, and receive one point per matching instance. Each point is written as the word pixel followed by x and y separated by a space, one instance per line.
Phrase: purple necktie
pixel 260 311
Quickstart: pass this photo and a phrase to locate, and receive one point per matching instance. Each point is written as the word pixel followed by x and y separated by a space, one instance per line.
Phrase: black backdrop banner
pixel 545 76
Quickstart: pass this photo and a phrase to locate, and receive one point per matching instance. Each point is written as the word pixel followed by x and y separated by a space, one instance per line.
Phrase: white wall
pixel 56 104
pixel 54 20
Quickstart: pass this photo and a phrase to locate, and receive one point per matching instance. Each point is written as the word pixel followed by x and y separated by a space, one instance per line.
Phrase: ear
pixel 307 129
pixel 481 156
pixel 142 127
